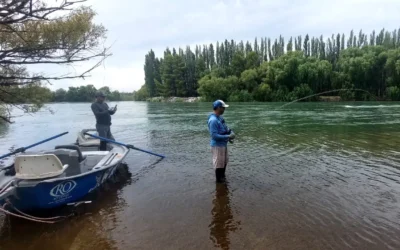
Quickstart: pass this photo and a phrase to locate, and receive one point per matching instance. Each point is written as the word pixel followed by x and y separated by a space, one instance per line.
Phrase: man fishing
pixel 220 135
pixel 103 119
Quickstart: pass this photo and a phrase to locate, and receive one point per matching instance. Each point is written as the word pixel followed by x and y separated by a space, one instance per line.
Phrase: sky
pixel 136 26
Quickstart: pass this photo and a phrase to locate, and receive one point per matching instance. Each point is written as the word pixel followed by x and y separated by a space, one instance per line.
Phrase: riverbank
pixel 200 99
pixel 174 99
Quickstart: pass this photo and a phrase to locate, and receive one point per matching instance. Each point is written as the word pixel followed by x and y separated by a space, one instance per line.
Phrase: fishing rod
pixel 326 92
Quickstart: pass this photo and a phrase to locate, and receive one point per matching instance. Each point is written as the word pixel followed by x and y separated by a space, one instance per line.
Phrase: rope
pixel 33 217
pixel 8 184
pixel 24 217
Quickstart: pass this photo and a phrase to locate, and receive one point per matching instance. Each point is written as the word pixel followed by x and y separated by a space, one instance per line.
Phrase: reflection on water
pixel 305 176
pixel 223 221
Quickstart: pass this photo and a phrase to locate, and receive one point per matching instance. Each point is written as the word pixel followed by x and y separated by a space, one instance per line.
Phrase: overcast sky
pixel 136 26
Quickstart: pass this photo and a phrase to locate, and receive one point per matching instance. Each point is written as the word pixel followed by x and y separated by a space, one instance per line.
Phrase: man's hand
pixel 231 137
pixel 113 110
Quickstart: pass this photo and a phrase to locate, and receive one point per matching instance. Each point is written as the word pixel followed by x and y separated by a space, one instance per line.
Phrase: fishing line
pixel 280 130
pixel 326 92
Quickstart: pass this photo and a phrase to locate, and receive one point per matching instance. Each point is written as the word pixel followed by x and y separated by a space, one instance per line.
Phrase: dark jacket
pixel 102 113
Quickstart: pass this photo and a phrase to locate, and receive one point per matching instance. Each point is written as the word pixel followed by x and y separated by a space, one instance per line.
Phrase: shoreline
pixel 174 99
pixel 200 99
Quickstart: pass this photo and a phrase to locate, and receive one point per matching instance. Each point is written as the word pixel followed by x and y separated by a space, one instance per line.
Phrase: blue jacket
pixel 219 132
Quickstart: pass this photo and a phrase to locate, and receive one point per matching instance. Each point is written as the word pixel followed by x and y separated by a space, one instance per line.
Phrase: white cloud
pixel 136 26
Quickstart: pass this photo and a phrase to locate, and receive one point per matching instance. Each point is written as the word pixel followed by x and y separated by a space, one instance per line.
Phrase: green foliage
pixel 361 68
pixel 33 94
pixel 37 94
pixel 263 93
pixel 142 94
pixel 29 98
pixel 393 93
pixel 60 95
pixel 213 88
pixel 44 33
pixel 249 79
pixel 240 96
pixel 281 95
pixel 300 91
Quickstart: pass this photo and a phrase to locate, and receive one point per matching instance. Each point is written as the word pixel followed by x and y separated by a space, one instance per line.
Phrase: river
pixel 305 176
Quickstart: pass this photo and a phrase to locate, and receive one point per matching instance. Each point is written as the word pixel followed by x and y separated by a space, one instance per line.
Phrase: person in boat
pixel 103 118
pixel 220 134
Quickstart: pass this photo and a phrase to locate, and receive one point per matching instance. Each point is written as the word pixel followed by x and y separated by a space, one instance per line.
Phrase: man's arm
pixel 96 110
pixel 214 132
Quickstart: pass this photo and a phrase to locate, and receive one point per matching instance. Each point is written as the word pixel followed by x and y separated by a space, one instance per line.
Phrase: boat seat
pixel 77 151
pixel 86 140
pixel 69 157
pixel 38 166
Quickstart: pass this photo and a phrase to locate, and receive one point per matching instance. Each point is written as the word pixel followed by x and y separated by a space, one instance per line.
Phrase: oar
pixel 23 149
pixel 125 145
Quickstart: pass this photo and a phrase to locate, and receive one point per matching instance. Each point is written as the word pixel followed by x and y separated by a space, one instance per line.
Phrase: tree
pixel 31 33
pixel 238 64
pixel 60 95
pixel 310 65
pixel 249 79
pixel 211 56
pixel 150 73
pixel 290 45
pixel 141 95
pixel 306 46
pixel 252 60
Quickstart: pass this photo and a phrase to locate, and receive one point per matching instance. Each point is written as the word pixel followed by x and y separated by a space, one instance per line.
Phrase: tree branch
pixel 30 34
pixel 6 119
pixel 9 62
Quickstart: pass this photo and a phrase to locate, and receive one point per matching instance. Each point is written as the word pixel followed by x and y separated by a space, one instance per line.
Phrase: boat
pixel 48 179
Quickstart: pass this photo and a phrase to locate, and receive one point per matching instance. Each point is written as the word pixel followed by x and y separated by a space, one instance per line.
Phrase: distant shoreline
pixel 199 99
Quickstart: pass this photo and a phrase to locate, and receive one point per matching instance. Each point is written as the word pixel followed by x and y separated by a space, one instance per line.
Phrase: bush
pixel 348 94
pixel 281 95
pixel 393 93
pixel 263 93
pixel 212 88
pixel 240 96
pixel 141 95
pixel 302 91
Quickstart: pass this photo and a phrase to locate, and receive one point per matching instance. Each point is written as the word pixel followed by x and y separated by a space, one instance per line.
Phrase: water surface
pixel 306 176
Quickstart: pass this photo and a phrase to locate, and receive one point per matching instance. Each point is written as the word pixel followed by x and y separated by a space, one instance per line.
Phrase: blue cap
pixel 219 103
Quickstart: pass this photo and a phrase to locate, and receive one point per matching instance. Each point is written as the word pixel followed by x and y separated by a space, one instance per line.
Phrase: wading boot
pixel 219 175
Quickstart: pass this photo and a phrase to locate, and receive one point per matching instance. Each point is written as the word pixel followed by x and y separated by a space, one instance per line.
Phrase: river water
pixel 306 176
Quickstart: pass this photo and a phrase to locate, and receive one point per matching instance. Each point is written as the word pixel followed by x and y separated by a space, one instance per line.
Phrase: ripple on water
pixel 306 176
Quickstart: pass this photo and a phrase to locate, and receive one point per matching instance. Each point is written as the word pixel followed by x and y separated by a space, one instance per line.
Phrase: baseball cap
pixel 219 103
pixel 100 94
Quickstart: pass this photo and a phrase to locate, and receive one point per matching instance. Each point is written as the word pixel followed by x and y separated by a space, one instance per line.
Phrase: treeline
pixel 87 94
pixel 36 93
pixel 267 70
